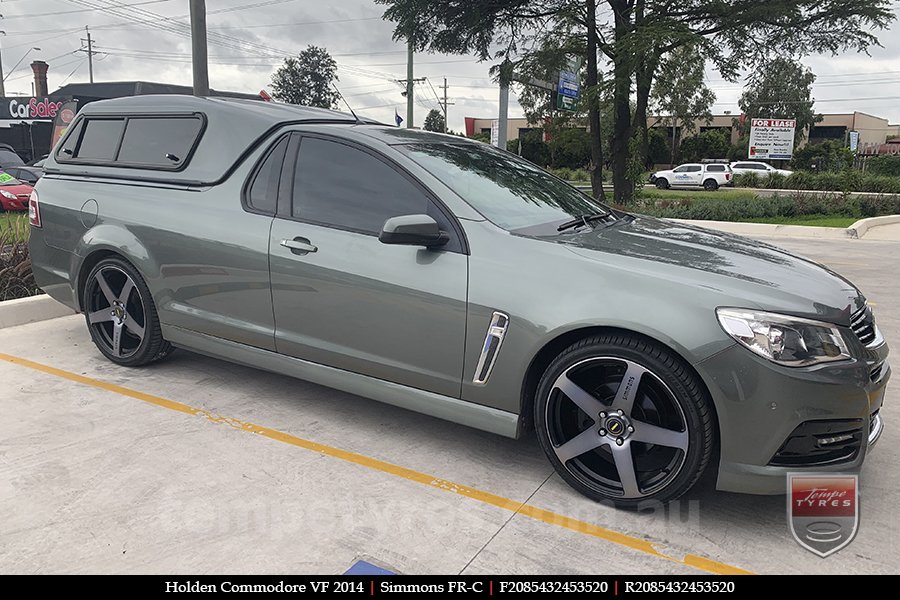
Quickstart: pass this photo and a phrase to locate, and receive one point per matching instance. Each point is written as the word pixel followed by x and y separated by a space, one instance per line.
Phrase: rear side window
pixel 343 187
pixel 263 193
pixel 715 169
pixel 100 139
pixel 158 141
pixel 694 168
pixel 155 142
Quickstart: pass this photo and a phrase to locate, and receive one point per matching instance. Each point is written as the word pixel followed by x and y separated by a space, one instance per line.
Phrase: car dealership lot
pixel 196 465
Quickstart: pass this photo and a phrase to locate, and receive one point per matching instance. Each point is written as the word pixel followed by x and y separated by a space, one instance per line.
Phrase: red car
pixel 13 193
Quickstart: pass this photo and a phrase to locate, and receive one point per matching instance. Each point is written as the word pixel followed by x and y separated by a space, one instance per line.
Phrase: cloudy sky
pixel 147 41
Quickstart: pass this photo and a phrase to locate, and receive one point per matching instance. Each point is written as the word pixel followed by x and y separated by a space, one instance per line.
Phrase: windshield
pixel 509 191
pixel 7 179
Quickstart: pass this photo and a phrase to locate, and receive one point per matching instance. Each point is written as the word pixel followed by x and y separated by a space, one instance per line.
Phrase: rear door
pixel 344 299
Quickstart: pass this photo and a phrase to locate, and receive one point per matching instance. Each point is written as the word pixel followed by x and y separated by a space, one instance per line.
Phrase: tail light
pixel 34 209
pixel 727 176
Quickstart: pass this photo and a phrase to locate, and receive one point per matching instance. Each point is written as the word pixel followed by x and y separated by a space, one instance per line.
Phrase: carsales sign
pixel 24 107
pixel 772 139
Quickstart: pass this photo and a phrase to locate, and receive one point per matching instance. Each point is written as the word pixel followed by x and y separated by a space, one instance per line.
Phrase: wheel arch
pixel 105 241
pixel 552 348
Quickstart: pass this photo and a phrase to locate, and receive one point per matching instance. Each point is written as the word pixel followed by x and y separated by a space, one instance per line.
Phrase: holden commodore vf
pixel 447 277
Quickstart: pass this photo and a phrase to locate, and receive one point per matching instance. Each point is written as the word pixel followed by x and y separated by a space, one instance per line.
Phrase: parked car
pixel 760 168
pixel 451 278
pixel 14 194
pixel 8 157
pixel 29 175
pixel 38 162
pixel 709 176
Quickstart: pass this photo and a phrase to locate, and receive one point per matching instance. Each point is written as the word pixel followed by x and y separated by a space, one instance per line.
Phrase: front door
pixel 344 299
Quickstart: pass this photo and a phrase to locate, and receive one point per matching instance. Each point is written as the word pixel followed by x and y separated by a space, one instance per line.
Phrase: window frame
pixel 80 126
pixel 458 242
pixel 251 178
pixel 716 169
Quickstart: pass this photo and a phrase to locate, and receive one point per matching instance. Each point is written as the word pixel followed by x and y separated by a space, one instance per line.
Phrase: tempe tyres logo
pixel 823 511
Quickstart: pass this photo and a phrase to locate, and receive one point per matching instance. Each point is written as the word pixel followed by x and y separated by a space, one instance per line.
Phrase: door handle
pixel 299 245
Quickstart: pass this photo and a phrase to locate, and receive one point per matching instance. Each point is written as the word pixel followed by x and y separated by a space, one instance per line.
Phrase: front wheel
pixel 623 420
pixel 710 185
pixel 121 316
pixel 662 183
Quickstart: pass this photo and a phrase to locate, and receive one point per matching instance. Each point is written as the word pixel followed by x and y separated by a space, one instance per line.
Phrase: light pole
pixel 2 89
pixel 16 66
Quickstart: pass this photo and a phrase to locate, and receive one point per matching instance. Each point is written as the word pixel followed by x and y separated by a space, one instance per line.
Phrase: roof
pixel 118 89
pixel 234 126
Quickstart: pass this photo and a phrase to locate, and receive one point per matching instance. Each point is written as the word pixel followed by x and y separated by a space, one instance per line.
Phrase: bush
pixel 779 205
pixel 830 155
pixel 888 165
pixel 571 148
pixel 750 180
pixel 16 278
pixel 843 181
pixel 713 143
pixel 534 148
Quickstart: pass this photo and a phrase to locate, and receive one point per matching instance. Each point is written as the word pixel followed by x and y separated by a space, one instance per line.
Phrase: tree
pixel 680 94
pixel 307 79
pixel 780 89
pixel 712 143
pixel 631 37
pixel 570 148
pixel 434 121
pixel 830 155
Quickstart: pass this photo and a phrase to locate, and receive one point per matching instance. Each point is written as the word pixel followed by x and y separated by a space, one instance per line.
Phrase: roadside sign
pixel 772 139
pixel 854 140
pixel 567 90
pixel 495 133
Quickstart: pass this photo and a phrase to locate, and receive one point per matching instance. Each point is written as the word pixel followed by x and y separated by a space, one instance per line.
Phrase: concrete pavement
pixel 99 474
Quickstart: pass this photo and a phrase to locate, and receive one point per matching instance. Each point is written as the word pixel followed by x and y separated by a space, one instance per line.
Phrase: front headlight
pixel 9 195
pixel 788 341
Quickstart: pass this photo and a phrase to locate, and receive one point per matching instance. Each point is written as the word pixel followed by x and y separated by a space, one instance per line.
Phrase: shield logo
pixel 823 511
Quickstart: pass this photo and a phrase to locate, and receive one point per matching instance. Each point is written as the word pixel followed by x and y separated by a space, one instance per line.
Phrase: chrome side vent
pixel 491 348
pixel 862 322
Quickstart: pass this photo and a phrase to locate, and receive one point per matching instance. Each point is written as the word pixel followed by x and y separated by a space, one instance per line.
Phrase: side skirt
pixel 477 416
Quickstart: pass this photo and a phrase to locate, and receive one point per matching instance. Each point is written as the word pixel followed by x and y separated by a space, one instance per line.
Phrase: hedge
pixel 779 205
pixel 842 181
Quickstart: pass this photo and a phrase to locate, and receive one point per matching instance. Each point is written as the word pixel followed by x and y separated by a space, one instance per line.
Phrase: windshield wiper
pixel 583 220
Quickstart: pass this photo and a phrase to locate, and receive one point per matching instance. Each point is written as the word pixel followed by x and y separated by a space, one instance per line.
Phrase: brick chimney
pixel 39 68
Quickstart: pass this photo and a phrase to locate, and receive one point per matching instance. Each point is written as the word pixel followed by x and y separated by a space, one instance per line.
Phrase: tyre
pixel 623 420
pixel 120 315
pixel 662 183
pixel 710 185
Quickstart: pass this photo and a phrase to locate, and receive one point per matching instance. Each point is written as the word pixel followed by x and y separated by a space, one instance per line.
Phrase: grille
pixel 862 323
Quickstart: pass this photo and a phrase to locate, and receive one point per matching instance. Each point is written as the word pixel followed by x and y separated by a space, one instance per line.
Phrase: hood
pixel 764 276
pixel 18 190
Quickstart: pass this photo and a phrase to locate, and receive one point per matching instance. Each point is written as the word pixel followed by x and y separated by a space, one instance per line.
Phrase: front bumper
pixel 768 414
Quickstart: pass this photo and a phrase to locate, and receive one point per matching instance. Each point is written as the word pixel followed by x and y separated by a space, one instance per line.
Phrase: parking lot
pixel 200 466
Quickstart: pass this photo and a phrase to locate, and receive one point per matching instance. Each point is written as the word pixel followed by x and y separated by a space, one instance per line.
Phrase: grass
pixel 809 220
pixel 9 220
pixel 657 194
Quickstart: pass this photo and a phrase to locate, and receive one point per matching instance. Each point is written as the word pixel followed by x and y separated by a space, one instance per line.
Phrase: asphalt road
pixel 199 466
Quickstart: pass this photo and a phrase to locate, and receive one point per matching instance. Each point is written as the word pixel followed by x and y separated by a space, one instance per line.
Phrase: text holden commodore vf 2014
pixel 448 277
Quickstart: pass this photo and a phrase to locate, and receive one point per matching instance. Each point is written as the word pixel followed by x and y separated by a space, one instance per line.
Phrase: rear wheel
pixel 662 183
pixel 623 420
pixel 121 316
pixel 710 185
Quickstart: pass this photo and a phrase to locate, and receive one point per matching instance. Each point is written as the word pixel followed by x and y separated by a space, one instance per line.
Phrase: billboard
pixel 771 139
pixel 28 108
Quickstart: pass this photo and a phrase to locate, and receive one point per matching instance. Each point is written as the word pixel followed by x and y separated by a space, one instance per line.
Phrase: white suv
pixel 709 176
pixel 760 168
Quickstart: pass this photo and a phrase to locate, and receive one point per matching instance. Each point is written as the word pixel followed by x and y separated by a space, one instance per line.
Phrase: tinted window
pixel 100 139
pixel 158 141
pixel 716 168
pixel 68 148
pixel 694 168
pixel 680 170
pixel 263 194
pixel 341 186
pixel 742 166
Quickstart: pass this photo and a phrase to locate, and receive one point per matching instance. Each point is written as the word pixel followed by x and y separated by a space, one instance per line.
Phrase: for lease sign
pixel 772 139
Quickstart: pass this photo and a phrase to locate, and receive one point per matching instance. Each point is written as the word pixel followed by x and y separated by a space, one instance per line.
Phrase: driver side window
pixel 339 186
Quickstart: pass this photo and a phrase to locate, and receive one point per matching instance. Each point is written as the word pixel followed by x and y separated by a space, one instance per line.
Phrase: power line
pixel 77 10
pixel 296 24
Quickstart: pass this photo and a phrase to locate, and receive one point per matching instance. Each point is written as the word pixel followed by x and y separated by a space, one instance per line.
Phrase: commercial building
pixel 514 128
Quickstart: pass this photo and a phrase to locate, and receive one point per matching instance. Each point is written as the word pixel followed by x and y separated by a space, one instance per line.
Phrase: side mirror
pixel 413 230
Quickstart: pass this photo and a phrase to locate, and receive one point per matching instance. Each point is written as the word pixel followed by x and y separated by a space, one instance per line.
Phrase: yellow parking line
pixel 526 510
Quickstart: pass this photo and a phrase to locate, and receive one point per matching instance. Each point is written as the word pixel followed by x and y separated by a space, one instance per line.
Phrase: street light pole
pixel 198 48
pixel 16 66
pixel 2 89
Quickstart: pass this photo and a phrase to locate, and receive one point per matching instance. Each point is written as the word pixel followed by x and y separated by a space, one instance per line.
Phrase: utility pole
pixel 445 104
pixel 410 82
pixel 505 77
pixel 198 48
pixel 2 89
pixel 90 52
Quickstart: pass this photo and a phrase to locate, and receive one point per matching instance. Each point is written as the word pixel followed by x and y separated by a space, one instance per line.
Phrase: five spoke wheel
pixel 616 427
pixel 116 311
